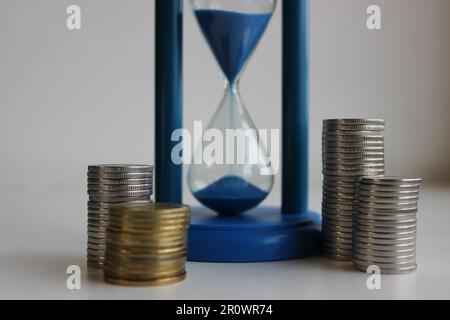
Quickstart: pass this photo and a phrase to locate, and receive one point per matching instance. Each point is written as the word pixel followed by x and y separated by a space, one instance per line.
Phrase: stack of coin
pixel 384 224
pixel 351 148
pixel 146 244
pixel 109 184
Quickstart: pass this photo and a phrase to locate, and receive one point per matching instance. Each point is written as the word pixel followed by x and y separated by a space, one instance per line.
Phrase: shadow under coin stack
pixel 384 224
pixel 109 184
pixel 351 148
pixel 146 244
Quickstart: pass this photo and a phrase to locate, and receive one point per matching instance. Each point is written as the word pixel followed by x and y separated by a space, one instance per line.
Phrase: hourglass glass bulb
pixel 232 29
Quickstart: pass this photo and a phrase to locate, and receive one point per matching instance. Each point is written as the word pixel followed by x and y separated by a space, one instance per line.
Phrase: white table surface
pixel 42 233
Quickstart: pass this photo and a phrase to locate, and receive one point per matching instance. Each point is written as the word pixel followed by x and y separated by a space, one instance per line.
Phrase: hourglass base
pixel 261 234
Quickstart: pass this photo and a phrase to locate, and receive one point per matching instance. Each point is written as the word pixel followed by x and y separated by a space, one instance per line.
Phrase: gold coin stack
pixel 146 244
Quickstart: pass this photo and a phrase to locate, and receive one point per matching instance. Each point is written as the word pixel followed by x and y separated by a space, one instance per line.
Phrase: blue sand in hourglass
pixel 232 36
pixel 230 195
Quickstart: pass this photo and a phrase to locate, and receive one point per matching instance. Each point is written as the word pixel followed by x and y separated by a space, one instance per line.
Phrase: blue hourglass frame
pixel 263 233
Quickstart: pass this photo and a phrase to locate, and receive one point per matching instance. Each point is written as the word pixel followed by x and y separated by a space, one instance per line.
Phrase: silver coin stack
pixel 351 148
pixel 109 184
pixel 384 224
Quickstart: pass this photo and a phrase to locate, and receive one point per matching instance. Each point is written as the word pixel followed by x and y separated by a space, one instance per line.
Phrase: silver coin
pixel 332 206
pixel 123 182
pixel 98 241
pixel 358 150
pixel 387 271
pixel 353 121
pixel 101 211
pixel 338 189
pixel 338 221
pixel 366 150
pixel 337 196
pixel 391 180
pixel 106 199
pixel 336 185
pixel 383 211
pixel 352 144
pixel 353 173
pixel 352 156
pixel 337 257
pixel 335 122
pixel 337 251
pixel 118 187
pixel 349 139
pixel 383 253
pixel 387 265
pixel 330 245
pixel 337 215
pixel 337 143
pixel 334 131
pixel 381 223
pixel 378 259
pixel 95 258
pixel 96 253
pixel 351 180
pixel 393 217
pixel 97 223
pixel 120 175
pixel 98 216
pixel 333 234
pixel 347 190
pixel 385 206
pixel 96 246
pixel 385 188
pixel 96 229
pixel 352 162
pixel 387 200
pixel 386 194
pixel 359 167
pixel 379 235
pixel 110 194
pixel 353 127
pixel 384 229
pixel 384 246
pixel 329 225
pixel 96 235
pixel 120 168
pixel 105 206
pixel 378 241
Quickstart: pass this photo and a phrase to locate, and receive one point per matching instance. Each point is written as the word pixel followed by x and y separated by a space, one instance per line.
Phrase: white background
pixel 72 98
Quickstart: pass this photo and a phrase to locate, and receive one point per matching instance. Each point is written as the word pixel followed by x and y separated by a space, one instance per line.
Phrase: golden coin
pixel 149 282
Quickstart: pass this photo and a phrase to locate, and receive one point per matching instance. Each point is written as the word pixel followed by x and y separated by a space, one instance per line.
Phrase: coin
pixel 400 270
pixel 146 242
pixel 119 175
pixel 112 199
pixel 119 168
pixel 377 241
pixel 119 194
pixel 381 253
pixel 387 265
pixel 119 187
pixel 120 182
pixel 150 282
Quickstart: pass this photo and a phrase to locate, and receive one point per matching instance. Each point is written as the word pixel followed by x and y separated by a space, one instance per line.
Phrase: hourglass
pixel 232 29
pixel 232 226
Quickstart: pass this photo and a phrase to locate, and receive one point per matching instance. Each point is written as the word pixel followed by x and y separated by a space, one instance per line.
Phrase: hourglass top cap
pixel 243 6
